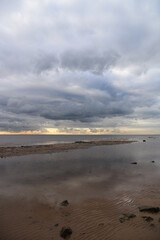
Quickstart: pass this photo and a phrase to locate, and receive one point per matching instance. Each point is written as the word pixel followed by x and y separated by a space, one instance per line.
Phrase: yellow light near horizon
pixel 138 129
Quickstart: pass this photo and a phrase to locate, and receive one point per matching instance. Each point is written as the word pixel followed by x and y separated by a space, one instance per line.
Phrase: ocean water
pixel 17 140
pixel 106 167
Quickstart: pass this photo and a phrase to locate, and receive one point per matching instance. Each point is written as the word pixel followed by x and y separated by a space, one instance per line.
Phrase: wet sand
pixel 92 219
pixel 100 184
pixel 40 149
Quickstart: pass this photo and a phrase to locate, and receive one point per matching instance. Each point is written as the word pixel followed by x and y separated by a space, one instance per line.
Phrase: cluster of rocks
pixel 148 209
pixel 65 231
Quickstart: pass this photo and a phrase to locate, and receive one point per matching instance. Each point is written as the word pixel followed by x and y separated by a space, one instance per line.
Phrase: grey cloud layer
pixel 75 63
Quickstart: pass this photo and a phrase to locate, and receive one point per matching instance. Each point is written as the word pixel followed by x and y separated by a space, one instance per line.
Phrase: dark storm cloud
pixel 78 64
pixel 60 105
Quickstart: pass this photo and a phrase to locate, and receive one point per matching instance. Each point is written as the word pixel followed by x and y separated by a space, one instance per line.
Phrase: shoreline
pixel 54 148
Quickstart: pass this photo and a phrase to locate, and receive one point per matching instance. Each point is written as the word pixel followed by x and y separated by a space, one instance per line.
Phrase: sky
pixel 80 66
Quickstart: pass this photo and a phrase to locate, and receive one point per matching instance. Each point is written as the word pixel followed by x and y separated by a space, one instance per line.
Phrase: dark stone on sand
pixel 56 225
pixel 65 232
pixel 149 209
pixel 133 162
pixel 64 203
pixel 153 161
pixel 148 218
pixel 144 140
pixel 127 216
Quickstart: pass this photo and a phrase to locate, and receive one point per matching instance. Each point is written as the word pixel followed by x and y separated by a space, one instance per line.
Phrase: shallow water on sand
pixel 18 140
pixel 101 178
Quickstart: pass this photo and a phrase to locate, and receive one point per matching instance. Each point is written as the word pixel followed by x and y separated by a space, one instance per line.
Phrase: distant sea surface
pixel 18 140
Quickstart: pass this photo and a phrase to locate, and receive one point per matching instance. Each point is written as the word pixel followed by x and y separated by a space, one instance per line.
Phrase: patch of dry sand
pixel 39 149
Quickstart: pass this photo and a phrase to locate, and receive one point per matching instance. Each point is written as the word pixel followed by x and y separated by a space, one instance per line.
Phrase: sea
pixel 26 140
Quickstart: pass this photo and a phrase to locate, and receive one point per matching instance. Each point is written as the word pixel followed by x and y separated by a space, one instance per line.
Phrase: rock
pixel 144 140
pixel 56 225
pixel 148 218
pixel 159 220
pixel 127 216
pixel 153 161
pixel 149 209
pixel 65 203
pixel 133 162
pixel 65 232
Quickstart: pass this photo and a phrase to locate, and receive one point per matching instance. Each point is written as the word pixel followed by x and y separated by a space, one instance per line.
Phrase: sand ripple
pixel 92 219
